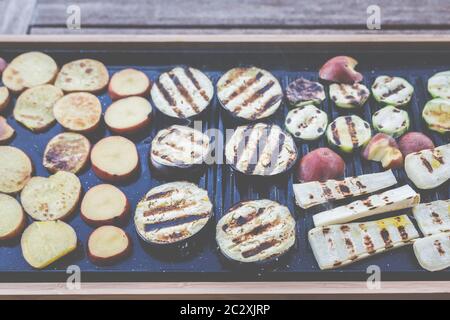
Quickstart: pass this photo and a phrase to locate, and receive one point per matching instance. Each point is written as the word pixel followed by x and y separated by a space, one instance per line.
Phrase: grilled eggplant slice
pixel 433 217
pixel 107 245
pixel 182 92
pixel 313 193
pixel 391 121
pixel 44 242
pixel 16 169
pixel 34 107
pixel 393 91
pixel 339 245
pixel 349 96
pixel 256 231
pixel 433 252
pixel 172 212
pixel 28 70
pixel 67 151
pixel 261 149
pixel 391 200
pixel 436 114
pixel 6 131
pixel 429 168
pixel 12 217
pixel 249 93
pixel 86 75
pixel 52 198
pixel 307 122
pixel 179 147
pixel 4 98
pixel 439 85
pixel 302 92
pixel 348 133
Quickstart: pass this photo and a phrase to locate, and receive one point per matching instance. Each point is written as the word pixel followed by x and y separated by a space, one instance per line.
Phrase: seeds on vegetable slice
pixel 436 114
pixel 439 85
pixel 307 122
pixel 349 95
pixel 394 91
pixel 302 92
pixel 349 133
pixel 12 217
pixel 15 169
pixel 391 120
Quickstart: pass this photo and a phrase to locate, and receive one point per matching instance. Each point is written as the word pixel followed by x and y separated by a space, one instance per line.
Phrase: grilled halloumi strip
pixel 179 146
pixel 391 200
pixel 340 245
pixel 261 149
pixel 433 217
pixel 348 133
pixel 433 252
pixel 172 212
pixel 349 96
pixel 182 92
pixel 256 231
pixel 393 91
pixel 439 85
pixel 249 93
pixel 306 122
pixel 436 114
pixel 429 168
pixel 310 194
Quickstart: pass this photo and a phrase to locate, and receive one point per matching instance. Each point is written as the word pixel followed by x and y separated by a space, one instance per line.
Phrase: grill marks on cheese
pixel 172 212
pixel 433 217
pixel 261 149
pixel 249 93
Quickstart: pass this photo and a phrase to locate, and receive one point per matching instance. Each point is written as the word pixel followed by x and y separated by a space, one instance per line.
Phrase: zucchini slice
pixel 391 121
pixel 433 252
pixel 312 193
pixel 391 200
pixel 302 92
pixel 393 91
pixel 343 244
pixel 436 114
pixel 307 122
pixel 433 217
pixel 348 133
pixel 349 96
pixel 439 85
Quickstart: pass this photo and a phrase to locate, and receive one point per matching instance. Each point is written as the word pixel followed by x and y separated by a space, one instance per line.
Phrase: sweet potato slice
pixel 52 198
pixel 104 204
pixel 6 131
pixel 34 107
pixel 83 75
pixel 29 70
pixel 114 158
pixel 4 98
pixel 16 169
pixel 67 151
pixel 79 112
pixel 12 217
pixel 44 242
pixel 127 83
pixel 108 244
pixel 128 115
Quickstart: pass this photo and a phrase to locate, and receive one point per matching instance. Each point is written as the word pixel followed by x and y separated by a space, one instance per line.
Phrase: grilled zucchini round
pixel 349 96
pixel 393 91
pixel 306 122
pixel 302 92
pixel 436 114
pixel 348 133
pixel 391 120
pixel 256 231
pixel 182 92
pixel 172 212
pixel 249 93
pixel 179 147
pixel 439 85
pixel 261 149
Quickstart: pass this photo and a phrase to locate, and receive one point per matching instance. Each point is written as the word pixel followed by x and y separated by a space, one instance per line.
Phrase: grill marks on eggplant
pixel 254 231
pixel 261 149
pixel 172 212
pixel 249 93
pixel 182 92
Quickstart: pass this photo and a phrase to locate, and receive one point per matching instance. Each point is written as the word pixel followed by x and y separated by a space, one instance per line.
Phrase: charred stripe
pixel 190 75
pixel 177 221
pixel 255 231
pixel 274 99
pixel 178 205
pixel 426 164
pixel 352 131
pixel 160 195
pixel 183 91
pixel 335 131
pixel 170 100
pixel 260 145
pixel 242 88
pixel 260 248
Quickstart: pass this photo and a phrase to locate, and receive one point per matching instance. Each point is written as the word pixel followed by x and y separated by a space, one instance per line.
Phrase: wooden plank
pixel 217 290
pixel 16 16
pixel 263 13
